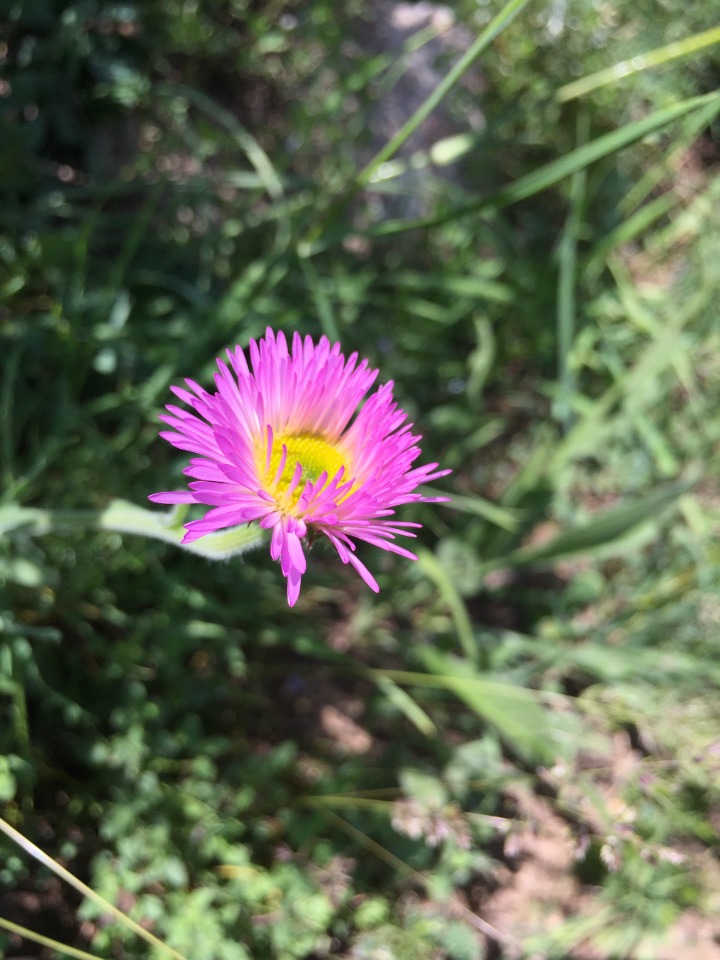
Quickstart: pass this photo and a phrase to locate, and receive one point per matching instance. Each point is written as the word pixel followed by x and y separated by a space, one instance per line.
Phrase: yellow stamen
pixel 316 456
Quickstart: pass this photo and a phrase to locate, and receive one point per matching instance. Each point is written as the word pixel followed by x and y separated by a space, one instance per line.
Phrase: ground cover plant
pixel 512 750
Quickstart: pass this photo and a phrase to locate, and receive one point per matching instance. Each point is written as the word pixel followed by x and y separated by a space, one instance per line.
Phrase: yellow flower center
pixel 316 455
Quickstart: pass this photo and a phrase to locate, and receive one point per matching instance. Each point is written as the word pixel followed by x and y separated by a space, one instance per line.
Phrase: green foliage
pixel 349 779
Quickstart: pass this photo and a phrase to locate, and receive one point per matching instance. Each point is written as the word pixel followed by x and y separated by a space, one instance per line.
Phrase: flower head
pixel 277 443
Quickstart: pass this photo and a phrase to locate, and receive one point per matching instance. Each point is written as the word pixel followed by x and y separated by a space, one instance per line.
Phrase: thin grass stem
pixel 455 604
pixel 7 397
pixel 567 279
pixel 55 945
pixel 405 869
pixel 47 861
pixel 643 61
pixel 322 302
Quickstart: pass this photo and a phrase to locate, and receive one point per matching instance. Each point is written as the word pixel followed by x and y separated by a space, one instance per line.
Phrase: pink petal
pixel 172 496
pixel 286 390
pixel 364 572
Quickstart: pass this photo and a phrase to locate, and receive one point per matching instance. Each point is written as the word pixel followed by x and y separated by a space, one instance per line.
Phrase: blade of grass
pixel 637 386
pixel 664 169
pixel 339 800
pixel 556 170
pixel 672 345
pixel 567 277
pixel 416 307
pixel 643 61
pixel 47 861
pixel 684 228
pixel 403 702
pixel 259 159
pixel 514 711
pixel 248 144
pixel 631 228
pixel 7 397
pixel 456 285
pixel 463 627
pixel 638 222
pixel 381 852
pixel 134 236
pixel 405 870
pixel 499 516
pixel 322 302
pixel 398 66
pixel 20 717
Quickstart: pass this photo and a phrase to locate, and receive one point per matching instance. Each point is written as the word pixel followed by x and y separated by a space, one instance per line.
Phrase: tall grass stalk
pixel 48 942
pixel 82 888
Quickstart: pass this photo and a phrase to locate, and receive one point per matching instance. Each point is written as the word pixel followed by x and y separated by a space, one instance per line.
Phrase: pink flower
pixel 275 443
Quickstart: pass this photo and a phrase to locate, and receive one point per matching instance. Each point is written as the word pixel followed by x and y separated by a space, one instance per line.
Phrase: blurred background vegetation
pixel 514 750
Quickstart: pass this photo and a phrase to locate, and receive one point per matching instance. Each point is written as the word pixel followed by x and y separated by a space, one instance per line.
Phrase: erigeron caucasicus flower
pixel 285 441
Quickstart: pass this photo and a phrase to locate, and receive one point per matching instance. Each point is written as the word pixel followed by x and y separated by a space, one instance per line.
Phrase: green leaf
pixel 515 712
